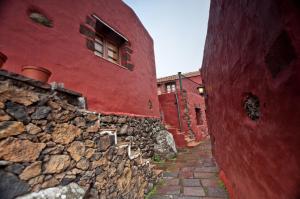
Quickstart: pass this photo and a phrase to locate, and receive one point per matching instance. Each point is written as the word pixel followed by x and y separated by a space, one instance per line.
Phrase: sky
pixel 178 28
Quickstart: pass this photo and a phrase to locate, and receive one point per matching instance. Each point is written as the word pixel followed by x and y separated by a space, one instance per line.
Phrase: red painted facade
pixel 251 70
pixel 63 50
pixel 178 108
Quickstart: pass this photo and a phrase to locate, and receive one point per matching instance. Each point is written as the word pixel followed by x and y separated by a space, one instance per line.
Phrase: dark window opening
pixel 170 87
pixel 198 116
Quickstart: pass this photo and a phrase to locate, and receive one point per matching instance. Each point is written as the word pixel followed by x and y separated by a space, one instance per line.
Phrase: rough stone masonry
pixel 48 145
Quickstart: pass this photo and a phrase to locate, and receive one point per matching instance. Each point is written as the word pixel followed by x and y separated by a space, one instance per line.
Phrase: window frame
pixel 105 49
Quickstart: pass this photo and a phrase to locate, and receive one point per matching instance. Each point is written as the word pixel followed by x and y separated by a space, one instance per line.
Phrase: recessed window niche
pixel 39 17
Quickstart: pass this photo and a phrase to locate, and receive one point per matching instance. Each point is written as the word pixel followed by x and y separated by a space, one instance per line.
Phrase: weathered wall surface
pixel 251 70
pixel 62 49
pixel 45 141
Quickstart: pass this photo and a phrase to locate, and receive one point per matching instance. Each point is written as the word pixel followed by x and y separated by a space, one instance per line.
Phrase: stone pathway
pixel 192 175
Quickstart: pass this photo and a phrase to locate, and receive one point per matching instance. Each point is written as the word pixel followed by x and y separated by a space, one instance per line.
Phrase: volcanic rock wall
pixel 46 141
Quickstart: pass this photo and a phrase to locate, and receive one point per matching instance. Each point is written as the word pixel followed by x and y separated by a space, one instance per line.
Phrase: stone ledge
pixel 37 84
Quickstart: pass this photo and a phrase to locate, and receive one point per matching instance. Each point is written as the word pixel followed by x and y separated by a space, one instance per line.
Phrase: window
pixel 105 42
pixel 170 87
pixel 198 116
pixel 106 49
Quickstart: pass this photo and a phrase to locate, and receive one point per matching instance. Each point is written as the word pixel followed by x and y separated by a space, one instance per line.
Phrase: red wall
pixel 193 100
pixel 62 49
pixel 247 42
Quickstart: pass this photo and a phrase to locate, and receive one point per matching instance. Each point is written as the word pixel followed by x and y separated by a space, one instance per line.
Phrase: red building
pixel 97 47
pixel 251 70
pixel 182 107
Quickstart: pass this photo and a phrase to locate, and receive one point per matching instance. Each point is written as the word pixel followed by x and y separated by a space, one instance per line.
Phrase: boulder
pixel 65 133
pixel 16 150
pixel 31 171
pixel 11 186
pixel 165 146
pixel 33 129
pixel 77 150
pixel 57 164
pixel 10 128
pixel 17 111
pixel 71 191
pixel 41 113
pixel 4 116
pixel 14 94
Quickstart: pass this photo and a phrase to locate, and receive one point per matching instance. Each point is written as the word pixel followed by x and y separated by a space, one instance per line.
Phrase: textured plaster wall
pixel 254 47
pixel 62 49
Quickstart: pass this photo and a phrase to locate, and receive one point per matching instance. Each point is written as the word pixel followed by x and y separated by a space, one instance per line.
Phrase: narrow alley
pixel 192 175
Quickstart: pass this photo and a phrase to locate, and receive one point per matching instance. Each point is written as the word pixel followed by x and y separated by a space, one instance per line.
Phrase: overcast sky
pixel 178 28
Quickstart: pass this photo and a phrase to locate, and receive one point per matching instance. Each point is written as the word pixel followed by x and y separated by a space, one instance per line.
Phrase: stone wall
pixel 45 141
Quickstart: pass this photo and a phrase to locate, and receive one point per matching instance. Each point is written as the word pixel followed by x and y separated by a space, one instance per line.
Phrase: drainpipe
pixel 178 111
pixel 180 81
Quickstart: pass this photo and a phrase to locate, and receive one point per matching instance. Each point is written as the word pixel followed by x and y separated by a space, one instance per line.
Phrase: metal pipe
pixel 178 111
pixel 180 81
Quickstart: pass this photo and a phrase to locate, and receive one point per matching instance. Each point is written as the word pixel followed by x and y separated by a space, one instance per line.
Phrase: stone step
pixel 192 144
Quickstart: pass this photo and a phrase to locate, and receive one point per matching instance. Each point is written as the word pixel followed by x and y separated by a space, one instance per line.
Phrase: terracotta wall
pixel 62 49
pixel 251 69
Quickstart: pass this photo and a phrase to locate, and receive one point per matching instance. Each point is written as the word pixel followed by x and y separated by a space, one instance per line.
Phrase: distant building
pixel 182 107
pixel 97 47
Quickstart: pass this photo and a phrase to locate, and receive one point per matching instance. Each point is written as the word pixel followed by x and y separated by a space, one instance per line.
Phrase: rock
pixel 36 180
pixel 71 191
pixel 10 128
pixel 106 119
pixel 57 164
pixel 33 129
pixel 53 105
pixel 11 186
pixel 31 171
pixel 65 133
pixel 92 117
pixel 123 130
pixel 17 111
pixel 124 181
pixel 76 150
pixel 41 113
pixel 50 183
pixel 89 143
pixel 4 163
pixel 54 150
pixel 4 116
pixel 89 153
pixel 44 137
pixel 94 128
pixel 16 150
pixel 103 143
pixel 15 168
pixel 98 163
pixel 120 168
pixel 63 116
pixel 79 121
pixel 83 164
pixel 2 105
pixel 14 94
pixel 165 146
pixel 122 120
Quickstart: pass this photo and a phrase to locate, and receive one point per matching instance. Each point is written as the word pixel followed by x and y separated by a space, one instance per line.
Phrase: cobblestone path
pixel 192 175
